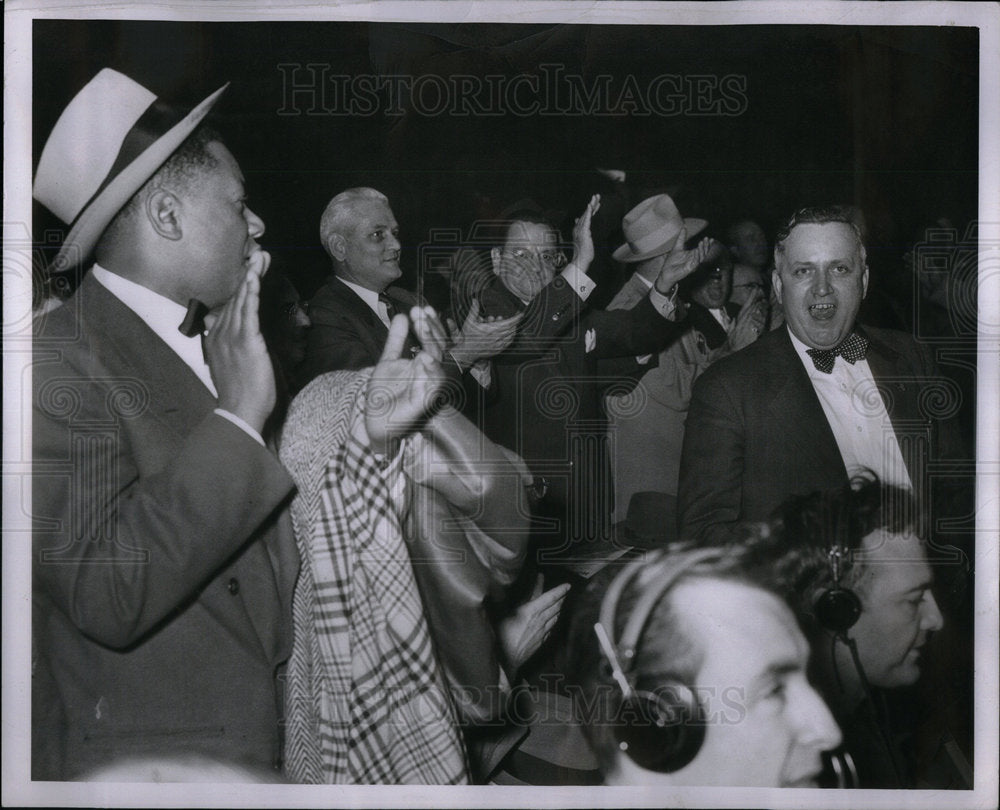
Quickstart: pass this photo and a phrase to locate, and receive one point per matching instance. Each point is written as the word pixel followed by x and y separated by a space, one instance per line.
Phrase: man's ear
pixel 776 284
pixel 495 258
pixel 337 246
pixel 864 276
pixel 162 209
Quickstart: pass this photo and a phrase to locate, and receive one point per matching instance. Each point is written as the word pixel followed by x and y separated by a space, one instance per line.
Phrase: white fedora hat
pixel 110 140
pixel 652 228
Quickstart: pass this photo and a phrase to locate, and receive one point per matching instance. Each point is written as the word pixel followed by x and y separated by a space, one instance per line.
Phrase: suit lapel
pixel 129 347
pixel 631 293
pixel 900 396
pixel 360 311
pixel 179 398
pixel 795 403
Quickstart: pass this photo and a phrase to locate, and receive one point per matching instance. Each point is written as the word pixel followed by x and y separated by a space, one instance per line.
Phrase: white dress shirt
pixel 164 317
pixel 856 413
pixel 723 318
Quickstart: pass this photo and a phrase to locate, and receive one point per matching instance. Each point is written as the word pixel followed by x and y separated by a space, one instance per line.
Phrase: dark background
pixel 885 118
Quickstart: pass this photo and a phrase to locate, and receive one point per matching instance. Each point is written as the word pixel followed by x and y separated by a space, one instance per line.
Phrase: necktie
pixel 853 348
pixel 390 308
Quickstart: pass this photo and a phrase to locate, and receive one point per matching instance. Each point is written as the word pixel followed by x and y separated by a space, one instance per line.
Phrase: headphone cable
pixel 852 645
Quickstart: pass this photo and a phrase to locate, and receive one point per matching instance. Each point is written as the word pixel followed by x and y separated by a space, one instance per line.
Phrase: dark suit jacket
pixel 163 558
pixel 756 432
pixel 700 319
pixel 345 333
pixel 548 389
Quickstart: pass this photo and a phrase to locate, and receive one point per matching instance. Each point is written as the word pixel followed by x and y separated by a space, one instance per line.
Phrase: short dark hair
pixel 526 215
pixel 792 557
pixel 819 215
pixel 676 653
pixel 188 163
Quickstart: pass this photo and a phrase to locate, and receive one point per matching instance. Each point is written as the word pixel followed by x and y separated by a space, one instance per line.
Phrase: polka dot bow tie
pixel 853 348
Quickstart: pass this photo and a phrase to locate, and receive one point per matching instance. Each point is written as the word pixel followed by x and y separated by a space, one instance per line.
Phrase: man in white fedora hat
pixel 163 560
pixel 546 388
pixel 655 234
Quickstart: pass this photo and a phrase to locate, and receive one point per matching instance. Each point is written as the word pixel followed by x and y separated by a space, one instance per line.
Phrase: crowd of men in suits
pixel 315 541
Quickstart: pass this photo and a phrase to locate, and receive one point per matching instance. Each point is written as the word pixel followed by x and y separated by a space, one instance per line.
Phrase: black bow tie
pixel 853 348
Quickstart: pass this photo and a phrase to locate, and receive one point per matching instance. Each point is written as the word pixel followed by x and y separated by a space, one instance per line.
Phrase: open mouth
pixel 822 312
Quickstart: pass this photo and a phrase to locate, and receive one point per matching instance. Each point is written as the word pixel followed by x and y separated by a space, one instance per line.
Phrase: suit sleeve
pixel 118 552
pixel 709 498
pixel 484 482
pixel 637 331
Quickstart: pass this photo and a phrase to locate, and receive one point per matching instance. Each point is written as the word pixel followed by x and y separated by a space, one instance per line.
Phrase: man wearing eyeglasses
pixel 747 280
pixel 546 388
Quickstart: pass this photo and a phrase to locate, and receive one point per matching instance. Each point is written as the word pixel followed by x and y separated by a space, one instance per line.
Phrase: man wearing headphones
pixel 690 674
pixel 851 563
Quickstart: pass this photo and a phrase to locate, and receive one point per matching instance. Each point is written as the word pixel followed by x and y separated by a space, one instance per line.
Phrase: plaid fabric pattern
pixel 366 699
pixel 852 348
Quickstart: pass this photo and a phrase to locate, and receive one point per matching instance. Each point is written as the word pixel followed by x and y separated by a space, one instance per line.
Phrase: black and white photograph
pixel 501 404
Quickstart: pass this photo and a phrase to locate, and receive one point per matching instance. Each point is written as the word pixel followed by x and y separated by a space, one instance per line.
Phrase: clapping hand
pixel 523 631
pixel 236 353
pixel 483 337
pixel 681 264
pixel 749 322
pixel 401 393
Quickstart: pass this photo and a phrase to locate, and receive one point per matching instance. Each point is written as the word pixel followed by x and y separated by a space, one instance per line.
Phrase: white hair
pixel 339 213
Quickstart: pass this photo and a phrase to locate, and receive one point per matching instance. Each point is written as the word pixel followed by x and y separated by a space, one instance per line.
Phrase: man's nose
pixel 931 619
pixel 821 282
pixel 392 242
pixel 255 225
pixel 817 728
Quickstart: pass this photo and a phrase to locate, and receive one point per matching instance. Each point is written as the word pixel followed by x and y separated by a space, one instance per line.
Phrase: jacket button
pixel 234 586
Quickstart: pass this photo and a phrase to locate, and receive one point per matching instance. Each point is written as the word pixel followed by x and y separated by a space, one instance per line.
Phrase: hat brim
pixel 692 227
pixel 99 212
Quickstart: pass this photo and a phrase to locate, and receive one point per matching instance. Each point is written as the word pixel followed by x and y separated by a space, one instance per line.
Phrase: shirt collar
pixel 370 297
pixel 161 315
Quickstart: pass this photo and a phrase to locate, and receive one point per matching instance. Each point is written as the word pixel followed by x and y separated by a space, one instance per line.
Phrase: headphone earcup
pixel 661 732
pixel 837 609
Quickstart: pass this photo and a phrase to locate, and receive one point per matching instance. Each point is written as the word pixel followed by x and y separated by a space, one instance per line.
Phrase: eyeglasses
pixel 751 285
pixel 555 259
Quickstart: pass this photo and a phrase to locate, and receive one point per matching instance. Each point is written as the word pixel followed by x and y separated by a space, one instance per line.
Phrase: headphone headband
pixel 674 567
pixel 662 730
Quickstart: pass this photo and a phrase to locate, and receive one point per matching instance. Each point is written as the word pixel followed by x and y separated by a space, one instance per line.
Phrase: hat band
pixel 158 119
pixel 664 233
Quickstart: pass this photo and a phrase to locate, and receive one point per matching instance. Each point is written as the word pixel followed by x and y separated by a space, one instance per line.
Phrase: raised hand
pixel 523 632
pixel 681 264
pixel 429 331
pixel 482 337
pixel 749 322
pixel 400 393
pixel 583 242
pixel 236 353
